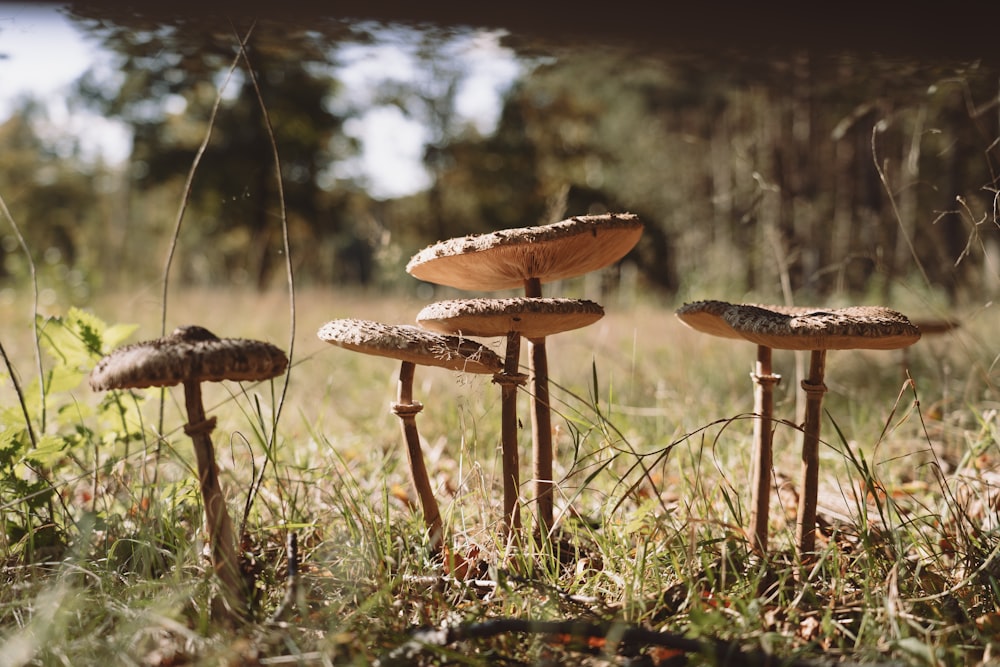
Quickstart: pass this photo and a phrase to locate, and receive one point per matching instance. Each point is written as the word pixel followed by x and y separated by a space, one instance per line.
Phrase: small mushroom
pixel 532 318
pixel 816 331
pixel 189 356
pixel 528 257
pixel 708 317
pixel 413 345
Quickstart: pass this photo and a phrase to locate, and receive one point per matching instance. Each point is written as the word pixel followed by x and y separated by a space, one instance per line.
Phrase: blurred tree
pixel 164 85
pixel 441 68
pixel 799 176
pixel 55 195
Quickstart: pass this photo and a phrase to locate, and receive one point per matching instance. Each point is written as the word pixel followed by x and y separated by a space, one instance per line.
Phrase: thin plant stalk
pixel 188 186
pixel 289 271
pixel 34 318
pixel 20 396
pixel 172 248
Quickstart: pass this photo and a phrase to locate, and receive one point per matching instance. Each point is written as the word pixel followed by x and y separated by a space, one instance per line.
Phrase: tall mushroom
pixel 413 346
pixel 189 356
pixel 526 258
pixel 708 317
pixel 816 331
pixel 532 318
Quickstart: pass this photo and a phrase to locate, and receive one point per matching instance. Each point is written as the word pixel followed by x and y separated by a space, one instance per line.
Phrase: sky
pixel 44 54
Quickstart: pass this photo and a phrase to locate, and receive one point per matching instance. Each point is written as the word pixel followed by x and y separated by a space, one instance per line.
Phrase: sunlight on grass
pixel 652 430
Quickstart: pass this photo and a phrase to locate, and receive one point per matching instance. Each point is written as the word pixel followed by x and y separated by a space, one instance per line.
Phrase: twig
pixel 20 396
pixel 621 638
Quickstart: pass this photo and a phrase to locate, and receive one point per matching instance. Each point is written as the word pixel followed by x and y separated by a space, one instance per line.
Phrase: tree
pixel 170 70
pixel 56 197
pixel 796 173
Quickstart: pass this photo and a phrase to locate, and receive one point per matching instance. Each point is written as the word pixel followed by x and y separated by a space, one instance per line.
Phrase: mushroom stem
pixel 541 432
pixel 407 409
pixel 764 381
pixel 509 381
pixel 814 389
pixel 221 536
pixel 541 419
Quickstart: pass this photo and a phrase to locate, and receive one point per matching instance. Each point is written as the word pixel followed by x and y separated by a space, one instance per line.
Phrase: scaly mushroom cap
pixel 710 316
pixel 707 317
pixel 189 353
pixel 505 259
pixel 857 327
pixel 410 343
pixel 530 317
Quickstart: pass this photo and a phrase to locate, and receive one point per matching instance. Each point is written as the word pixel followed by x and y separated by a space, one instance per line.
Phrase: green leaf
pixel 10 446
pixel 64 378
pixel 79 338
pixel 49 450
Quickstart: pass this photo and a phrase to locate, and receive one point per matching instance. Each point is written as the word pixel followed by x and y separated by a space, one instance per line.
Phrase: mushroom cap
pixel 856 327
pixel 505 259
pixel 709 316
pixel 189 353
pixel 530 317
pixel 410 343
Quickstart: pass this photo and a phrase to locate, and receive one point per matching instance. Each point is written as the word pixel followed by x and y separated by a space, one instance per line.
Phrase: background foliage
pixel 806 176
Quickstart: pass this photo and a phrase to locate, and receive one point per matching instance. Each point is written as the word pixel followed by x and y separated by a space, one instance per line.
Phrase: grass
pixel 652 463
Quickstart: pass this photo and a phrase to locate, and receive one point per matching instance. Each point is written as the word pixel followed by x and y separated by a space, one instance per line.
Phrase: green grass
pixel 653 460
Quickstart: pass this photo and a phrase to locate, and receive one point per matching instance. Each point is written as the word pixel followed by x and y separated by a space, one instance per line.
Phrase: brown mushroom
pixel 189 356
pixel 413 345
pixel 526 258
pixel 708 317
pixel 510 318
pixel 860 327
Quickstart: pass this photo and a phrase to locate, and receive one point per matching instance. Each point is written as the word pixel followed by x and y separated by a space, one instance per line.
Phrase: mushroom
pixel 708 317
pixel 533 318
pixel 413 345
pixel 816 331
pixel 526 258
pixel 189 356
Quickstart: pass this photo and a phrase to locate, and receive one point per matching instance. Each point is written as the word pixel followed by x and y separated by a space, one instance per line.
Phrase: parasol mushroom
pixel 189 356
pixel 708 317
pixel 512 318
pixel 816 331
pixel 413 346
pixel 526 258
